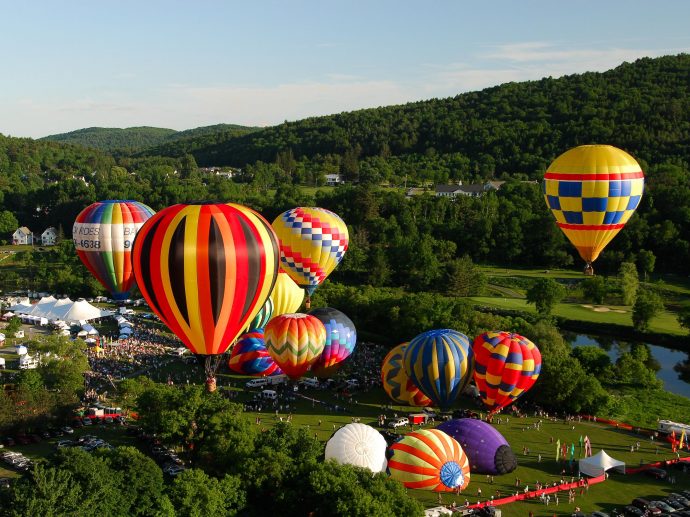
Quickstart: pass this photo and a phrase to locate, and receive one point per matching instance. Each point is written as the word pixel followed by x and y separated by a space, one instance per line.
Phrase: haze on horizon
pixel 181 65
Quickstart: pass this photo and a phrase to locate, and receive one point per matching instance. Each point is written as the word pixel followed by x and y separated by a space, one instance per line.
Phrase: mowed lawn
pixel 665 322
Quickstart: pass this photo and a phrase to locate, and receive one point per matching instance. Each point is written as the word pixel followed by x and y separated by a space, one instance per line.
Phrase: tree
pixel 13 325
pixel 647 305
pixel 8 223
pixel 592 358
pixel 47 491
pixel 629 282
pixel 195 494
pixel 545 293
pixel 463 278
pixel 595 289
pixel 646 260
pixel 684 318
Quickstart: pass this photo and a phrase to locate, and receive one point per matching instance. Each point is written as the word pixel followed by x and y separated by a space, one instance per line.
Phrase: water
pixel 666 357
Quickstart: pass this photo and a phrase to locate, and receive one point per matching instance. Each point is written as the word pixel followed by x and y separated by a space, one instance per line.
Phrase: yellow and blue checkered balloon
pixel 593 190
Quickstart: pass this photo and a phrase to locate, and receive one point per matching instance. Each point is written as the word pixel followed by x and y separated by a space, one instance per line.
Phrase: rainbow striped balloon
pixel 295 342
pixel 287 296
pixel 440 363
pixel 250 357
pixel 506 366
pixel 206 270
pixel 103 234
pixel 429 459
pixel 312 243
pixel 396 382
pixel 341 338
pixel 592 191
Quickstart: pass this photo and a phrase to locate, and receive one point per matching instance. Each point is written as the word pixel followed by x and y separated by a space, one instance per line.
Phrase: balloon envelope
pixel 341 338
pixel 250 357
pixel 103 234
pixel 263 316
pixel 440 363
pixel 592 191
pixel 359 445
pixel 486 448
pixel 312 243
pixel 206 270
pixel 295 342
pixel 287 296
pixel 429 459
pixel 506 366
pixel 397 384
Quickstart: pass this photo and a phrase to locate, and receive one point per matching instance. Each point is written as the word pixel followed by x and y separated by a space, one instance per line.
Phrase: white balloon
pixel 359 445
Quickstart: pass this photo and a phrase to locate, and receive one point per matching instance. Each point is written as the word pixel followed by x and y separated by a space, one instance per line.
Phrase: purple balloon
pixel 486 448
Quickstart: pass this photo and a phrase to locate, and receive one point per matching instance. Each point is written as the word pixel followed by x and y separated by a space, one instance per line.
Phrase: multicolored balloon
pixel 312 243
pixel 440 364
pixel 396 382
pixel 263 316
pixel 287 296
pixel 206 270
pixel 341 338
pixel 359 445
pixel 506 366
pixel 103 234
pixel 429 459
pixel 295 342
pixel 486 448
pixel 592 191
pixel 250 357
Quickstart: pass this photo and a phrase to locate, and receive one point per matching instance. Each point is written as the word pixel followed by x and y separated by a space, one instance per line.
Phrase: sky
pixel 183 64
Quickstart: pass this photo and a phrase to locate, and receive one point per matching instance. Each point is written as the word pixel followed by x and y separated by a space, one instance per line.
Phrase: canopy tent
pixel 599 463
pixel 21 350
pixel 89 329
pixel 20 308
pixel 2 336
pixel 55 311
pixel 2 362
pixel 8 315
pixel 42 306
pixel 126 330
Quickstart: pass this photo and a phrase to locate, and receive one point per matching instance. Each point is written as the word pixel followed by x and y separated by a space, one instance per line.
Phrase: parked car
pixel 632 511
pixel 661 505
pixel 4 483
pixel 64 443
pixel 8 441
pixel 399 422
pixel 68 430
pixel 656 473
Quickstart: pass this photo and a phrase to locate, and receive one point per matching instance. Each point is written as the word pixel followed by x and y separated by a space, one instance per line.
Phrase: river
pixel 666 357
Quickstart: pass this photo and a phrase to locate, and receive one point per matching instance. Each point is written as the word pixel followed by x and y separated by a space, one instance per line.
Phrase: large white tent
pixel 599 463
pixel 42 306
pixel 64 309
pixel 20 308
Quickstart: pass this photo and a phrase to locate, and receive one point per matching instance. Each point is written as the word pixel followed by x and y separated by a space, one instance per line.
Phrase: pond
pixel 666 357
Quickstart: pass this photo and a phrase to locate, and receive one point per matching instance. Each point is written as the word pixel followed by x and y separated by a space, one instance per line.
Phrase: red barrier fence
pixel 657 464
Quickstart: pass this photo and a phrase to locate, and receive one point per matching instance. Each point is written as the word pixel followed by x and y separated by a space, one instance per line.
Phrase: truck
pixel 667 427
pixel 418 418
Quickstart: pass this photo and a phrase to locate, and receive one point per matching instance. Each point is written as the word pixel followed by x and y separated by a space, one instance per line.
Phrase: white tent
pixel 2 362
pixel 55 311
pixel 21 350
pixel 126 330
pixel 599 463
pixel 20 308
pixel 8 315
pixel 42 306
pixel 2 337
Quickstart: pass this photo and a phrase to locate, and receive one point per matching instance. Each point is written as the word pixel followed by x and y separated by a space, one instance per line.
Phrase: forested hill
pixel 643 107
pixel 134 139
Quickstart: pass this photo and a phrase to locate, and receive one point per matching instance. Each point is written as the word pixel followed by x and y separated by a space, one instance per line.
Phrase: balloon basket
pixel 211 384
pixel 589 270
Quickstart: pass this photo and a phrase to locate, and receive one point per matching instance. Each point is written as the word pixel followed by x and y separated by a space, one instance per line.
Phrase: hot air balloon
pixel 486 448
pixel 396 382
pixel 206 270
pixel 286 296
pixel 250 357
pixel 440 363
pixel 593 190
pixel 295 342
pixel 341 338
pixel 103 234
pixel 312 243
pixel 263 316
pixel 506 366
pixel 359 445
pixel 429 459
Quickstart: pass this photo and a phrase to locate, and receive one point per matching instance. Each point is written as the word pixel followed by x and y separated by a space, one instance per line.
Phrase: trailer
pixel 667 427
pixel 418 418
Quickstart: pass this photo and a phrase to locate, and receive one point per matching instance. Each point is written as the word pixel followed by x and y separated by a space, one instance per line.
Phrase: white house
pixel 49 236
pixel 22 236
pixel 333 179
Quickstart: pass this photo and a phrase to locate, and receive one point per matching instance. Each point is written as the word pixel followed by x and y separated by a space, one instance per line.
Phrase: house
pixel 49 236
pixel 333 179
pixel 474 190
pixel 22 236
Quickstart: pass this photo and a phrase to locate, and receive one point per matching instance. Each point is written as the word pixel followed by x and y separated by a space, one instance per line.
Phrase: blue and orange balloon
pixel 396 383
pixel 440 364
pixel 250 357
pixel 506 366
pixel 103 235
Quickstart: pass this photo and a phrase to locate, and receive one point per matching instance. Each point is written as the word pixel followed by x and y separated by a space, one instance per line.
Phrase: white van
pixel 257 383
pixel 310 382
pixel 269 395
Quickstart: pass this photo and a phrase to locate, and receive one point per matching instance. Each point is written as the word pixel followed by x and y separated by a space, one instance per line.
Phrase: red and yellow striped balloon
pixel 206 270
pixel 295 342
pixel 429 459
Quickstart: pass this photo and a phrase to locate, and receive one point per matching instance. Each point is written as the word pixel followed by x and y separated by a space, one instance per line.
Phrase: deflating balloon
pixel 359 445
pixel 206 270
pixel 396 382
pixel 440 363
pixel 287 296
pixel 250 357
pixel 429 459
pixel 263 316
pixel 506 366
pixel 103 235
pixel 593 190
pixel 295 342
pixel 341 338
pixel 312 243
pixel 486 448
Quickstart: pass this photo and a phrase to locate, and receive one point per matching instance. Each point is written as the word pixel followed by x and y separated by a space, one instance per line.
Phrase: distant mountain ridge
pixel 133 139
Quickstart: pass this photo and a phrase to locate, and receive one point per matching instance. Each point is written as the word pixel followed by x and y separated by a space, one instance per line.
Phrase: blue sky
pixel 183 64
